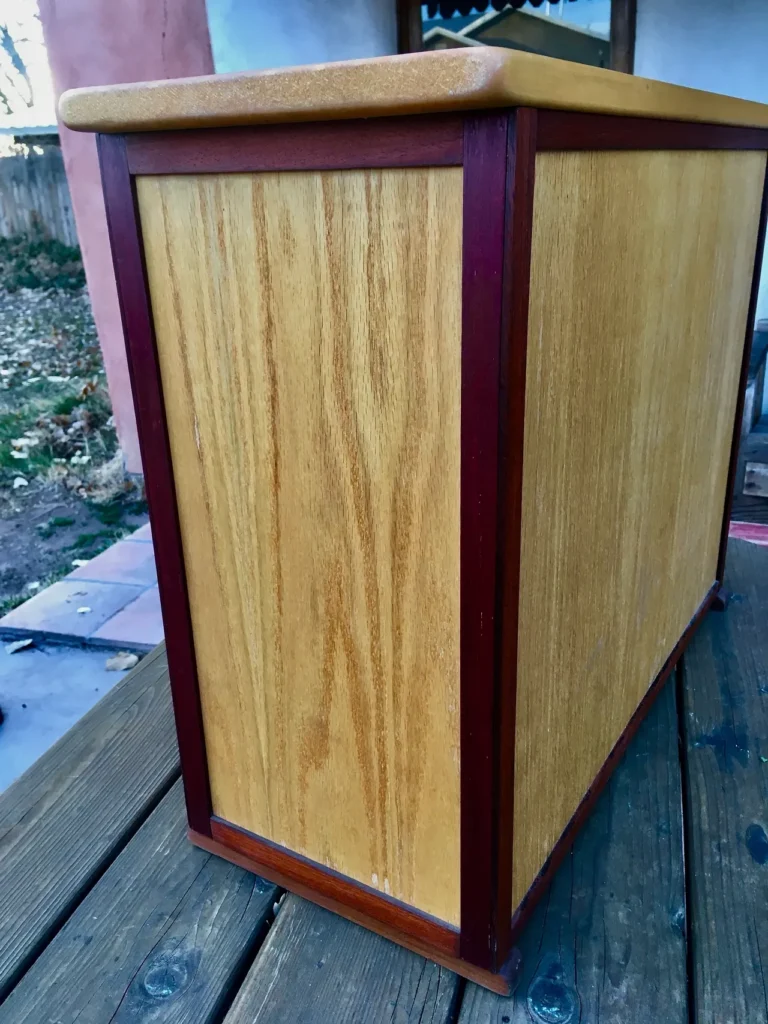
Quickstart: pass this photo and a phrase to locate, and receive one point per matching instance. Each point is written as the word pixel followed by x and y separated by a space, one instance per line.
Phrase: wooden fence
pixel 34 195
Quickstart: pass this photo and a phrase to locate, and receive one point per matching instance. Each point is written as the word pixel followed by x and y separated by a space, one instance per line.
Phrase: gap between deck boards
pixel 623 909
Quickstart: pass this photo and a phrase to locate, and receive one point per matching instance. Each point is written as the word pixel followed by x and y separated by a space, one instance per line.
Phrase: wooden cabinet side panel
pixel 640 282
pixel 308 328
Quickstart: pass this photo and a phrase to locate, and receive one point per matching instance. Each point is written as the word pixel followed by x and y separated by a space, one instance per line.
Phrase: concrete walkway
pixel 43 692
pixel 112 601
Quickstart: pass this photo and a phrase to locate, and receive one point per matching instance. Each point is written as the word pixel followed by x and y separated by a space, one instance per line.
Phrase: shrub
pixel 36 262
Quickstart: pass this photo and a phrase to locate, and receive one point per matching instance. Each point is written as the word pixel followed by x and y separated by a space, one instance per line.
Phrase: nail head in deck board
pixel 63 820
pixel 315 968
pixel 315 448
pixel 164 935
pixel 725 687
pixel 607 942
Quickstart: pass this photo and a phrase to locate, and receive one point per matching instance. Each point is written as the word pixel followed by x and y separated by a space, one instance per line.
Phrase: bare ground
pixel 63 493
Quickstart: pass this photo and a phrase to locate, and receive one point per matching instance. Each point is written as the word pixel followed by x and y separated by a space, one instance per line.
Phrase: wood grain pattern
pixel 607 942
pixel 429 141
pixel 308 330
pixel 623 26
pixel 443 950
pixel 521 167
pixel 725 721
pixel 136 316
pixel 714 601
pixel 639 293
pixel 64 820
pixel 331 890
pixel 570 129
pixel 314 966
pixel 164 935
pixel 475 78
pixel 738 421
pixel 484 210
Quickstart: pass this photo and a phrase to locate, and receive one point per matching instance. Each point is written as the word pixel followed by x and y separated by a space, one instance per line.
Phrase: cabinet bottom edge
pixel 713 599
pixel 389 918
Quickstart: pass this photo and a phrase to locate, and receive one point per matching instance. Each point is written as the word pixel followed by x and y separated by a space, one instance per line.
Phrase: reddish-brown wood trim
pixel 133 296
pixel 485 171
pixel 409 31
pixel 435 140
pixel 623 22
pixel 564 843
pixel 500 983
pixel 569 129
pixel 739 414
pixel 267 856
pixel 521 167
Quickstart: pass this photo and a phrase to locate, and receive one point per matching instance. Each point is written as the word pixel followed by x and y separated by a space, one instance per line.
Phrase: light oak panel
pixel 308 328
pixel 640 280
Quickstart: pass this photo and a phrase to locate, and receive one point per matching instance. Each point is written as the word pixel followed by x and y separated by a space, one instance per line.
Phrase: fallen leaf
pixel 121 661
pixel 83 610
pixel 18 645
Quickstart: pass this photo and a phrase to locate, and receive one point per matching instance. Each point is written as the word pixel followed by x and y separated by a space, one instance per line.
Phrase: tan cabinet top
pixel 461 79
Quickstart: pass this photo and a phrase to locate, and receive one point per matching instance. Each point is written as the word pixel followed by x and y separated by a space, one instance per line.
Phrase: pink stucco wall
pixel 99 42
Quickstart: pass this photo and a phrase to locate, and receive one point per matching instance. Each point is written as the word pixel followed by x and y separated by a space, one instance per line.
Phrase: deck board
pixel 316 967
pixel 726 739
pixel 165 935
pixel 64 820
pixel 108 914
pixel 607 943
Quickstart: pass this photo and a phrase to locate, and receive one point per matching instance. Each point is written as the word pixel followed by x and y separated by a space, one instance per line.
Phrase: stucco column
pixel 100 42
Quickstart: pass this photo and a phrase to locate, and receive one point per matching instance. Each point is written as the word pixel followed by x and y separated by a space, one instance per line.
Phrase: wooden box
pixel 437 366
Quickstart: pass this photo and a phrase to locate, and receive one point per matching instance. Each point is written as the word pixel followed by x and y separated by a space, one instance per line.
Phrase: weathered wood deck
pixel 659 915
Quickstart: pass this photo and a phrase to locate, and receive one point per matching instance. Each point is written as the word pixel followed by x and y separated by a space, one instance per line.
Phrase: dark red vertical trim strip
pixel 623 26
pixel 485 160
pixel 133 295
pixel 409 31
pixel 743 384
pixel 521 167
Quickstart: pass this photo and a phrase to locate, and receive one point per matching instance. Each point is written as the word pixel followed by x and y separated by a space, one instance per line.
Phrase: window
pixel 597 32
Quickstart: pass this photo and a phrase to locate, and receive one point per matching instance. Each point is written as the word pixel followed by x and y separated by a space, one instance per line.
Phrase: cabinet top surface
pixel 460 79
